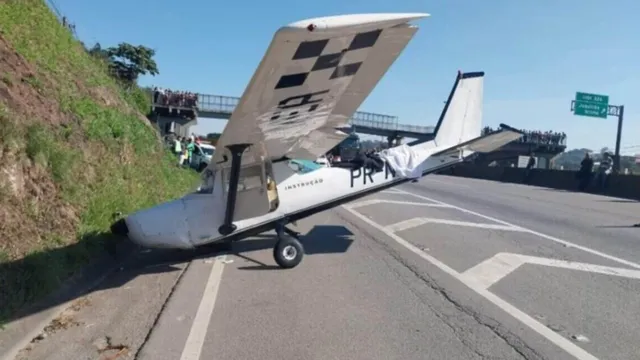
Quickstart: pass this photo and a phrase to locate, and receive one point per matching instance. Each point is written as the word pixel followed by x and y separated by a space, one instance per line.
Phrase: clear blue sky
pixel 536 54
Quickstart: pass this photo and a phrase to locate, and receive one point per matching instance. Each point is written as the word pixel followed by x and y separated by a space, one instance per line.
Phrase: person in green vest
pixel 177 145
pixel 190 148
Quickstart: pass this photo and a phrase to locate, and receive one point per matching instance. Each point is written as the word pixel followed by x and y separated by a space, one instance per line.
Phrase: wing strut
pixel 236 159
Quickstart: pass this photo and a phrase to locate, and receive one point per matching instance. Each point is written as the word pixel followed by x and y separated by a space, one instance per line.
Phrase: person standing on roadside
pixel 585 173
pixel 527 171
pixel 177 145
pixel 190 148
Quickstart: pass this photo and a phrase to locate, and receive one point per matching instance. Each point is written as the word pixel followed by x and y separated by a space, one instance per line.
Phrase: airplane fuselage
pixel 194 219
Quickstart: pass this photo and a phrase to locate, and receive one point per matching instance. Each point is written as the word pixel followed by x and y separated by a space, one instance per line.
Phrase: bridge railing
pixel 535 138
pixel 226 105
pixel 416 128
pixel 535 141
pixel 217 103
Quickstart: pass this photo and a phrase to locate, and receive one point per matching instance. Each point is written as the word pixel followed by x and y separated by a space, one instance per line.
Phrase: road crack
pixel 510 339
pixel 162 309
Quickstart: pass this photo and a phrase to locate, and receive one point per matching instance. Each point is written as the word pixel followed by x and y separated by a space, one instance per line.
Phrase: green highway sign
pixel 592 105
pixel 593 110
pixel 593 98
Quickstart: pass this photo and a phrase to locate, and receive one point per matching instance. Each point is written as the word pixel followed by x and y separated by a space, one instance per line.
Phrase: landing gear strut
pixel 288 251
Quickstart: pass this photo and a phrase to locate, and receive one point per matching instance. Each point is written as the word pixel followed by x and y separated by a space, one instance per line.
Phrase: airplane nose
pixel 120 228
pixel 161 226
pixel 128 227
pixel 135 233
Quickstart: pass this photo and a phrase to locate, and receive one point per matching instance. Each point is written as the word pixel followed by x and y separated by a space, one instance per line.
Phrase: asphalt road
pixel 447 268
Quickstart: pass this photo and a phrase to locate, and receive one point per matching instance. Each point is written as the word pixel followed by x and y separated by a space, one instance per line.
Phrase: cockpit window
pixel 303 166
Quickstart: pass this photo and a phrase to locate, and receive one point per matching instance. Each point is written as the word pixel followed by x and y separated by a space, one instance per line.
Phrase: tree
pixel 128 62
pixel 213 138
pixel 98 52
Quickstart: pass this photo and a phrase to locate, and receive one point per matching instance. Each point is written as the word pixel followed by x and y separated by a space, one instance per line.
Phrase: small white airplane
pixel 314 76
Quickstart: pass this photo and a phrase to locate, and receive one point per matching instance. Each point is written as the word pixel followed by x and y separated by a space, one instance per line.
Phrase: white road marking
pixel 532 323
pixel 500 265
pixel 193 346
pixel 533 232
pixel 384 201
pixel 408 224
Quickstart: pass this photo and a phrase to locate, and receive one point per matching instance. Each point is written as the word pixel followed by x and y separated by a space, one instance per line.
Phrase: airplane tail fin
pixel 461 117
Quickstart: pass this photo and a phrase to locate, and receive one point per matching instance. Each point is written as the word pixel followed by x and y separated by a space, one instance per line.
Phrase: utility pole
pixel 620 110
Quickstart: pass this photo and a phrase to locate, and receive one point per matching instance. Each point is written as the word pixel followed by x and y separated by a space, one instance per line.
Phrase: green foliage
pixel 139 98
pixel 104 160
pixel 10 134
pixel 570 160
pixel 126 62
pixel 129 61
pixel 213 138
pixel 43 147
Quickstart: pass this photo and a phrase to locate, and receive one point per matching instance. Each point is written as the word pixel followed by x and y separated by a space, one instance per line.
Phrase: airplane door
pixel 252 198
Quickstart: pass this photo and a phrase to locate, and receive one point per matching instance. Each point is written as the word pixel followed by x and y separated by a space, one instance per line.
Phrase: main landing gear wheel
pixel 288 252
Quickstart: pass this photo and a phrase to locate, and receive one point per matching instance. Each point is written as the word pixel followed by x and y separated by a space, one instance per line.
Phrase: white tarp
pixel 405 161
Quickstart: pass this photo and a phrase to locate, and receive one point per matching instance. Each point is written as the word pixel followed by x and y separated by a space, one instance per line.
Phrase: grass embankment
pixel 74 149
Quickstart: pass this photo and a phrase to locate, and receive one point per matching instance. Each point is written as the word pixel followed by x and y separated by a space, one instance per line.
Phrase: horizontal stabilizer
pixel 484 144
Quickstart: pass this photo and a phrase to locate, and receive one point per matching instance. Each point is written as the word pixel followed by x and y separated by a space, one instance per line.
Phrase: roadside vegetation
pixel 75 148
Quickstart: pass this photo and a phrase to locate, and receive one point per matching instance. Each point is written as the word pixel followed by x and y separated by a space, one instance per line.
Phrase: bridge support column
pixel 547 159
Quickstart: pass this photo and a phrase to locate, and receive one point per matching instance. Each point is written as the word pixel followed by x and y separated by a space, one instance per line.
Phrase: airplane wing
pixel 313 77
pixel 484 144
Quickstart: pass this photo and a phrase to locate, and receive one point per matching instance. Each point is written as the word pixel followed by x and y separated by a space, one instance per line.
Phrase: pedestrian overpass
pixel 221 107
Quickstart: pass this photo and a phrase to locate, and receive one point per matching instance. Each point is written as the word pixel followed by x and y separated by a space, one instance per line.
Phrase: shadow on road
pixel 28 279
pixel 322 239
pixel 620 201
pixel 618 226
pixel 51 277
pixel 557 190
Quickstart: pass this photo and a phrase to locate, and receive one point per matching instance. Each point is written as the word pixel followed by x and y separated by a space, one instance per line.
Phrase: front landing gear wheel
pixel 288 252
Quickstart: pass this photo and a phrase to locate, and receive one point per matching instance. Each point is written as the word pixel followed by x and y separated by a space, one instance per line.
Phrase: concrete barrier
pixel 623 186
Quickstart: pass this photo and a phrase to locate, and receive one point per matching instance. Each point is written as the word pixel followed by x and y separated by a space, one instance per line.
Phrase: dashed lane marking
pixel 195 341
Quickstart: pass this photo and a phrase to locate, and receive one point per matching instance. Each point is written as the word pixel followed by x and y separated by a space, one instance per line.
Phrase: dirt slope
pixel 74 149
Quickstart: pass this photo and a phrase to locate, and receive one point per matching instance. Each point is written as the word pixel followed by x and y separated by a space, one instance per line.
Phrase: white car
pixel 202 155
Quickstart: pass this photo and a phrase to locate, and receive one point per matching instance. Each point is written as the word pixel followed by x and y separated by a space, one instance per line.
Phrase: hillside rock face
pixel 74 149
